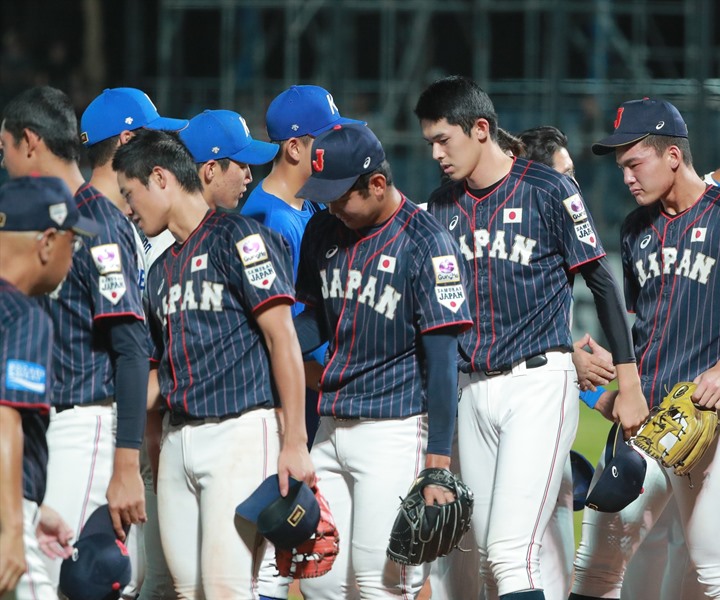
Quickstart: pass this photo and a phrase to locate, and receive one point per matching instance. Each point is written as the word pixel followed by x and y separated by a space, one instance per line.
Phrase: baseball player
pixel 381 279
pixel 39 223
pixel 670 254
pixel 522 227
pixel 226 278
pixel 100 351
pixel 109 121
pixel 712 178
pixel 293 119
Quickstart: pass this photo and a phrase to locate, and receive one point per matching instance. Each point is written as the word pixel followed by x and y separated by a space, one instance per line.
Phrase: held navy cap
pixel 638 119
pixel 582 474
pixel 621 481
pixel 216 134
pixel 120 109
pixel 286 522
pixel 39 203
pixel 99 567
pixel 303 110
pixel 340 156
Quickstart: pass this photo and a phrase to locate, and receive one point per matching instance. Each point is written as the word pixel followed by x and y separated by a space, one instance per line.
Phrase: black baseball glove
pixel 422 533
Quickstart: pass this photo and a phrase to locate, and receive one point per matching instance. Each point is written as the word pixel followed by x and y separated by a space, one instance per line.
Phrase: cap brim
pixel 256 153
pixel 166 124
pixel 607 145
pixel 86 227
pixel 100 523
pixel 325 190
pixel 267 492
pixel 338 121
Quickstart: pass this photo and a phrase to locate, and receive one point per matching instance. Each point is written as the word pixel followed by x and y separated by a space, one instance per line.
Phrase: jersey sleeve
pixel 309 284
pixel 26 372
pixel 573 226
pixel 258 263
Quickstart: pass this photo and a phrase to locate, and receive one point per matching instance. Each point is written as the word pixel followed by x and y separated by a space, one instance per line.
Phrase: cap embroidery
pixel 128 120
pixel 366 164
pixel 660 125
pixel 618 117
pixel 319 164
pixel 215 150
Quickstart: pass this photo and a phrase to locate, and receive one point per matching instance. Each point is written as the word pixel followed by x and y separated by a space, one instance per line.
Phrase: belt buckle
pixel 493 373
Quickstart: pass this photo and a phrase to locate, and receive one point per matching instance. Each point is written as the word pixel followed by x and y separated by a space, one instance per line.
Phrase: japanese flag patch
pixel 585 233
pixel 112 287
pixel 252 249
pixel 698 234
pixel 198 263
pixel 512 215
pixel 575 207
pixel 386 263
pixel 107 258
pixel 261 276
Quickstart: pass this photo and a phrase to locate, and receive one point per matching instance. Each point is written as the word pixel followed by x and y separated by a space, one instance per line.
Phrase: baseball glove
pixel 315 556
pixel 422 533
pixel 678 432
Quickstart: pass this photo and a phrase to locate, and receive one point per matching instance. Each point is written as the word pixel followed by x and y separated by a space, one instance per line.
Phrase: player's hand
pixel 630 408
pixel 594 366
pixel 707 392
pixel 126 492
pixel 12 558
pixel 53 534
pixel 606 403
pixel 436 494
pixel 295 460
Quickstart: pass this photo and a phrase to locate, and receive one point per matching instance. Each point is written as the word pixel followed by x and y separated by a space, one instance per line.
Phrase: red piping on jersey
pixel 43 409
pixel 528 557
pixel 462 325
pixel 86 500
pixel 278 297
pixel 344 305
pixel 113 315
pixel 84 187
pixel 574 268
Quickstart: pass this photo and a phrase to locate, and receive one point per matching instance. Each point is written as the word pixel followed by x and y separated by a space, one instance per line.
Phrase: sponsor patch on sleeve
pixel 25 376
pixel 252 249
pixel 575 207
pixel 112 287
pixel 107 258
pixel 448 289
pixel 450 296
pixel 584 232
pixel 261 276
pixel 446 269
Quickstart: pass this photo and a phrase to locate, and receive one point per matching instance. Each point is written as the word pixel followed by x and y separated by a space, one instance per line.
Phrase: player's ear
pixel 126 136
pixel 45 243
pixel 160 177
pixel 208 170
pixel 32 140
pixel 674 156
pixel 481 129
pixel 377 184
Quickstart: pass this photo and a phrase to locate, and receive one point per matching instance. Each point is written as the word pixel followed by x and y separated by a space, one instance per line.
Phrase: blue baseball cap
pixel 303 110
pixel 638 119
pixel 38 203
pixel 582 474
pixel 340 156
pixel 288 521
pixel 621 481
pixel 120 109
pixel 216 134
pixel 99 567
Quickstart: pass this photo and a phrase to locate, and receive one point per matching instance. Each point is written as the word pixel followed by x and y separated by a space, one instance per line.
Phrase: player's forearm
pixel 11 471
pixel 289 375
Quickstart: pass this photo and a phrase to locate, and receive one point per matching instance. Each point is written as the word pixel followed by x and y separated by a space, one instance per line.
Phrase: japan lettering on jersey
pixel 520 242
pixel 26 334
pixel 202 297
pixel 672 283
pixel 376 294
pixel 102 283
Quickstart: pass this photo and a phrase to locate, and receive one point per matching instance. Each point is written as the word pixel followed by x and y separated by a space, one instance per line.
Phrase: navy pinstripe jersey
pixel 102 283
pixel 376 295
pixel 202 295
pixel 26 334
pixel 672 283
pixel 521 243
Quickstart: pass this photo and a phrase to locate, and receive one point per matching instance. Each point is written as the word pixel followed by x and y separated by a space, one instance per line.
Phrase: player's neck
pixel 68 171
pixel 492 166
pixel 104 179
pixel 284 181
pixel 686 190
pixel 187 213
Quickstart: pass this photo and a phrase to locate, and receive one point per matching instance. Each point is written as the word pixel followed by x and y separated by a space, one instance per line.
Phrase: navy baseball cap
pixel 582 474
pixel 288 521
pixel 120 109
pixel 99 567
pixel 303 110
pixel 38 203
pixel 638 119
pixel 341 155
pixel 621 481
pixel 216 134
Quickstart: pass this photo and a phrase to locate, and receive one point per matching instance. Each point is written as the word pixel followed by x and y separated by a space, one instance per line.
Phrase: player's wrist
pixel 126 458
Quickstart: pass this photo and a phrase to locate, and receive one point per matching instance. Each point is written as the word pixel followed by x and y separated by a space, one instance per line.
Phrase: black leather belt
pixel 180 419
pixel 533 362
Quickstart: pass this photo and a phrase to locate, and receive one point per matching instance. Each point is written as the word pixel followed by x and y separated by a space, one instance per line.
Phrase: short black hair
pixel 49 113
pixel 460 101
pixel 153 148
pixel 102 153
pixel 362 183
pixel 541 143
pixel 662 142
